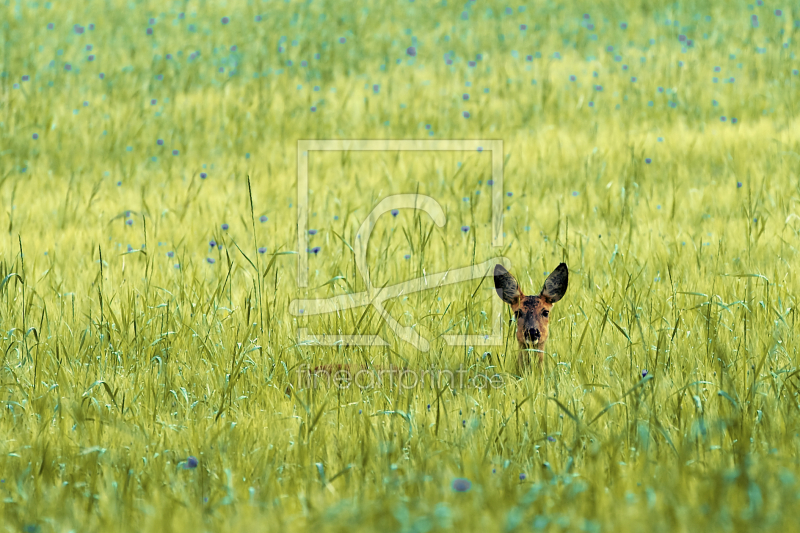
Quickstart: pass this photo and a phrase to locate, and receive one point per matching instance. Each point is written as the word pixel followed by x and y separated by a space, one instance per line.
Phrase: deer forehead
pixel 530 306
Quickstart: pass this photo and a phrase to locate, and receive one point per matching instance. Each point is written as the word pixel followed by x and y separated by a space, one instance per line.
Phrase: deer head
pixel 532 312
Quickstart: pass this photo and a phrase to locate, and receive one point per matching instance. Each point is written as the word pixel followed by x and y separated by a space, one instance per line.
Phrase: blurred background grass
pixel 650 145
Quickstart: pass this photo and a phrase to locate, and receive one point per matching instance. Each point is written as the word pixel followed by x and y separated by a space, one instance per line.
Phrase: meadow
pixel 149 260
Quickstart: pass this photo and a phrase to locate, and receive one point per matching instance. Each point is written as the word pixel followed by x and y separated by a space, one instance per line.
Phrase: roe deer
pixel 532 312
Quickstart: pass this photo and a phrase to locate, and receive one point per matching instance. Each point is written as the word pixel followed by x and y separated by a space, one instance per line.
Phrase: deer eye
pixel 545 313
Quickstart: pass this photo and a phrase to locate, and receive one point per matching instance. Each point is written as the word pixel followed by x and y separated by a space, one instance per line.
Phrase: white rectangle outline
pixel 304 146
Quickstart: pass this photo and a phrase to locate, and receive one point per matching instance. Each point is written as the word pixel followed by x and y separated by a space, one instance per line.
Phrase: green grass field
pixel 150 381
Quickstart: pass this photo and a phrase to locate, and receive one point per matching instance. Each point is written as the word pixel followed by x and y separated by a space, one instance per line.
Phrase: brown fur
pixel 532 312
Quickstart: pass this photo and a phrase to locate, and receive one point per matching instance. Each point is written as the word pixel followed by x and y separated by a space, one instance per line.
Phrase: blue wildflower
pixel 461 485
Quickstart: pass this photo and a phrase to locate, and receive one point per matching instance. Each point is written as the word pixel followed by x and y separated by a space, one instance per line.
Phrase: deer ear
pixel 555 286
pixel 506 286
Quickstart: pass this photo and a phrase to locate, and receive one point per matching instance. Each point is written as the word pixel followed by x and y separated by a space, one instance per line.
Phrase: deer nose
pixel 533 334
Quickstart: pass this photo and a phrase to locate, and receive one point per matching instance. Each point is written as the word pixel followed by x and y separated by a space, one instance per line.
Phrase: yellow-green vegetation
pixel 150 381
